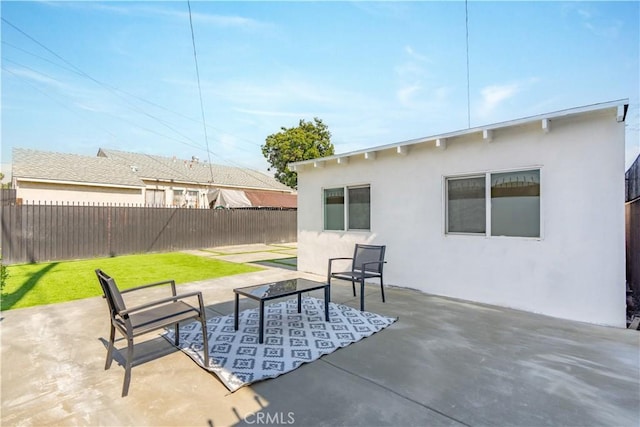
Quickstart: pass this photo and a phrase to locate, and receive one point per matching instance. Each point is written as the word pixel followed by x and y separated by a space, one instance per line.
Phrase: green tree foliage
pixel 309 140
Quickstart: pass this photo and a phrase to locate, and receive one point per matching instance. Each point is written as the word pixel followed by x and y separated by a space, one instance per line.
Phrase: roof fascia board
pixel 249 188
pixel 78 183
pixel 478 129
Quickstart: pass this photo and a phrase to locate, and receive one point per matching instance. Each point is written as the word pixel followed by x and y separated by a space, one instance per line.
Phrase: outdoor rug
pixel 290 339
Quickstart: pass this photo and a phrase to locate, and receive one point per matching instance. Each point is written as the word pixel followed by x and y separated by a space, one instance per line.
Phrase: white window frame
pixel 345 210
pixel 446 203
pixel 487 197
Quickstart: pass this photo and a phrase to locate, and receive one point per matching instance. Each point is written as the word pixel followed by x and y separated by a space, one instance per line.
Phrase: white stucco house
pixel 527 214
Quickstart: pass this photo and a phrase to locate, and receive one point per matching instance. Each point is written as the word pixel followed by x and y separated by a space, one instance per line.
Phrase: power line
pixel 466 19
pixel 195 58
pixel 113 88
pixel 247 171
pixel 62 104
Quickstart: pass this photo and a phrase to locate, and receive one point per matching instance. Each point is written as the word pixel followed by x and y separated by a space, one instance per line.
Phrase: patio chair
pixel 367 263
pixel 148 317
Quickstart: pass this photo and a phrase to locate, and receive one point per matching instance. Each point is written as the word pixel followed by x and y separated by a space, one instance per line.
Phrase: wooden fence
pixel 40 232
pixel 632 226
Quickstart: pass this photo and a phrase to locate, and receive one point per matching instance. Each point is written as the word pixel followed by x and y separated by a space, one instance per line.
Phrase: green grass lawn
pixel 53 282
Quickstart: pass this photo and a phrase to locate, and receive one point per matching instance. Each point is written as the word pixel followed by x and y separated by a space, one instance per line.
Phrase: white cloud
pixel 271 113
pixel 142 9
pixel 415 55
pixel 494 96
pixel 411 75
pixel 407 94
pixel 591 19
pixel 36 77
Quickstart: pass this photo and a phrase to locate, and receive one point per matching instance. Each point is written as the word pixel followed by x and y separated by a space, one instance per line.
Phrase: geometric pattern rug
pixel 290 339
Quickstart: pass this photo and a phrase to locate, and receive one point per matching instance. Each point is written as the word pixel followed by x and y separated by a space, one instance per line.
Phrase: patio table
pixel 269 291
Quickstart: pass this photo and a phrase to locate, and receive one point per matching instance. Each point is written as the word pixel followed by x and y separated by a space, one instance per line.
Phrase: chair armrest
pixel 364 265
pixel 330 262
pixel 173 298
pixel 149 285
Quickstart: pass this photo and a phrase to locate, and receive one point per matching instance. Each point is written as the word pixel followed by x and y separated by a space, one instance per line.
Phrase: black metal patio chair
pixel 367 263
pixel 148 317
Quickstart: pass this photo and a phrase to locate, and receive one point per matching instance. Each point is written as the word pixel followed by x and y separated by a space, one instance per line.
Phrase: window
pixel 154 197
pixel 358 212
pixel 514 209
pixel 178 198
pixel 334 209
pixel 191 199
pixel 515 204
pixel 359 208
pixel 466 207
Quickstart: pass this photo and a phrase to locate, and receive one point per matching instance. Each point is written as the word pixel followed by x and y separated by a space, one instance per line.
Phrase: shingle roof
pixel 112 167
pixel 166 168
pixel 45 165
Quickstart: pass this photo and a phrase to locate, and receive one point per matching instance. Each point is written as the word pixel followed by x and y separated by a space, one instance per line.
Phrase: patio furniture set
pixel 367 263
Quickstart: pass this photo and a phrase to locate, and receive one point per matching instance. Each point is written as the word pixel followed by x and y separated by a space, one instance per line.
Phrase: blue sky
pixel 78 76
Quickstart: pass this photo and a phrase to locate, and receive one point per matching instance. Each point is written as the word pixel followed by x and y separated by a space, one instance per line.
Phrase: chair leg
pixel 127 369
pixel 382 289
pixel 176 338
pixel 205 341
pixel 353 285
pixel 112 337
pixel 362 295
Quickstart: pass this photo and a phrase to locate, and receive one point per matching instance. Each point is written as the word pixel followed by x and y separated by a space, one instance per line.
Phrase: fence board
pixel 38 233
pixel 632 227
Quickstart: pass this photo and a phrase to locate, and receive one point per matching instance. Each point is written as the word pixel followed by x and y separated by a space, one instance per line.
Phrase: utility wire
pixel 113 88
pixel 258 176
pixel 62 104
pixel 247 171
pixel 195 58
pixel 466 19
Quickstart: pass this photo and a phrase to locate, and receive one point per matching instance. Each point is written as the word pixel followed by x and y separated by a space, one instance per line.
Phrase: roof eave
pixel 80 183
pixel 621 104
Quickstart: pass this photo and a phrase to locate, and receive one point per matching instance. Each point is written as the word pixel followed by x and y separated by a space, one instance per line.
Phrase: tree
pixel 309 140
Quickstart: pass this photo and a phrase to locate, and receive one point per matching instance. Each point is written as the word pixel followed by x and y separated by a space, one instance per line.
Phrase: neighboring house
pixel 41 176
pixel 527 214
pixel 139 179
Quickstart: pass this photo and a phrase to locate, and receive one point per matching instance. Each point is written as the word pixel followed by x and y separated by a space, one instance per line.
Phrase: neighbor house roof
pixel 621 106
pixel 150 167
pixel 45 166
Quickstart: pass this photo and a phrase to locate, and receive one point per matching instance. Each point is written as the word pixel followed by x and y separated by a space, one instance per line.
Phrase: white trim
pixel 402 150
pixel 369 153
pixel 488 208
pixel 345 188
pixel 78 183
pixel 546 125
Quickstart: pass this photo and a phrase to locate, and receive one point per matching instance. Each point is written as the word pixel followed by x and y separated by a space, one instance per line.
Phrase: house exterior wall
pixel 575 270
pixel 41 192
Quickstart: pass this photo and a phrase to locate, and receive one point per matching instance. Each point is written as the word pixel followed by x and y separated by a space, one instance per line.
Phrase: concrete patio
pixel 444 362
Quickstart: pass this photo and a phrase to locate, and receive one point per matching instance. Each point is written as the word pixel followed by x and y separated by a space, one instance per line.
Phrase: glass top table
pixel 269 291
